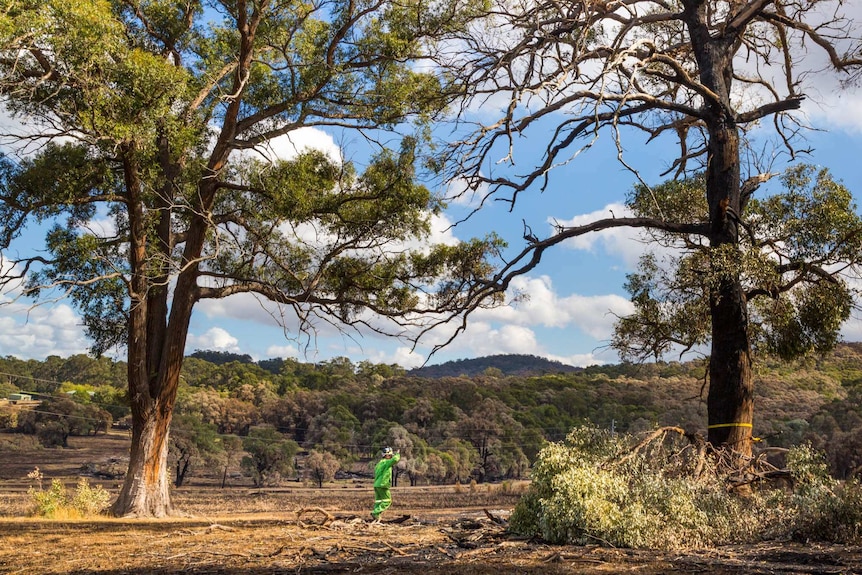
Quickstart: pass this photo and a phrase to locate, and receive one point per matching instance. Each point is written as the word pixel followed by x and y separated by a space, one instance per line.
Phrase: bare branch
pixel 842 63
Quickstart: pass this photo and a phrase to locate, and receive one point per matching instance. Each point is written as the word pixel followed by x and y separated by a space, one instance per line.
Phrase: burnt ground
pixel 299 529
pixel 260 545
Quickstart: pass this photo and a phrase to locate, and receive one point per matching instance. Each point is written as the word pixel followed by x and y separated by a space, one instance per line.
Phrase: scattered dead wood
pixel 658 436
pixel 207 530
pixel 474 533
pixel 327 517
pixel 395 549
pixel 218 527
pixel 495 518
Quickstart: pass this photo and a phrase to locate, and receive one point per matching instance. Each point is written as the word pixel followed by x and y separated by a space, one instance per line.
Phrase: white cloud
pixel 852 330
pixel 290 145
pixel 513 328
pixel 37 331
pixel 459 192
pixel 840 109
pixel 485 338
pixel 41 331
pixel 582 359
pixel 23 137
pixel 829 98
pixel 441 231
pixel 102 227
pixel 401 355
pixel 215 338
pixel 218 308
pixel 282 351
pixel 244 307
pixel 594 315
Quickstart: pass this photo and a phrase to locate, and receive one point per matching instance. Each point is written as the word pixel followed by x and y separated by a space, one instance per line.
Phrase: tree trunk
pixel 182 469
pixel 730 401
pixel 145 491
pixel 730 405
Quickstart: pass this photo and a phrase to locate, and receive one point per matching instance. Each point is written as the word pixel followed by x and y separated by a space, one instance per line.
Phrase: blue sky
pixel 573 294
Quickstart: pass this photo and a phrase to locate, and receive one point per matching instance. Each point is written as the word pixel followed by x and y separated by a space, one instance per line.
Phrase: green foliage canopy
pixel 147 113
pixel 797 259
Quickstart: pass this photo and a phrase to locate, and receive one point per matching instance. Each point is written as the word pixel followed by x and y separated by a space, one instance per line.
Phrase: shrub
pixel 60 417
pixel 821 508
pixel 835 519
pixel 596 488
pixel 8 418
pixel 19 443
pixel 322 466
pixel 53 433
pixel 57 503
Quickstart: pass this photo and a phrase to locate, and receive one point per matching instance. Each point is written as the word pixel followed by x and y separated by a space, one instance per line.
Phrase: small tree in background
pixel 230 454
pixel 192 443
pixel 437 466
pixel 114 400
pixel 462 457
pixel 335 432
pixel 58 418
pixel 321 466
pixel 414 453
pixel 270 455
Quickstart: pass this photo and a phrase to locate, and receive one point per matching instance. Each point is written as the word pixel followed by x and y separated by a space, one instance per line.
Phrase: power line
pixel 67 415
pixel 31 378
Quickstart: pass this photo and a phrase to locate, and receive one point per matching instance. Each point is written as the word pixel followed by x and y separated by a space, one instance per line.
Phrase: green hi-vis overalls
pixel 382 481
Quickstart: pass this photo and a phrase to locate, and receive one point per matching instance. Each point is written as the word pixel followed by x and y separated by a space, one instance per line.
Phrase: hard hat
pixel 387 451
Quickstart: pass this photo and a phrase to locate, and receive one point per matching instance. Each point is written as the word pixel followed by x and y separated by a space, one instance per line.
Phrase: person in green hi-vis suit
pixel 382 481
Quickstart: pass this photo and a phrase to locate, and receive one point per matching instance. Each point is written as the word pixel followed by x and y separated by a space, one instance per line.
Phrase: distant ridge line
pixel 508 364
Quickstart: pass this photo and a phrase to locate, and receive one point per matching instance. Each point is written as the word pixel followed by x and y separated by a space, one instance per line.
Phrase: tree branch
pixel 792 103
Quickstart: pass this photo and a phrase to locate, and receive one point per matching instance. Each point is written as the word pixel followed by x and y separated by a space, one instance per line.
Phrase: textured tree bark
pixel 145 492
pixel 730 401
pixel 730 405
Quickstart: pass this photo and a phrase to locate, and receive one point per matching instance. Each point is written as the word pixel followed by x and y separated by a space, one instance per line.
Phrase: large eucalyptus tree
pixel 563 73
pixel 156 116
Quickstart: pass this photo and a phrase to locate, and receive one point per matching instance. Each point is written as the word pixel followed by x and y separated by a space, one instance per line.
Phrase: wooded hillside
pixel 485 426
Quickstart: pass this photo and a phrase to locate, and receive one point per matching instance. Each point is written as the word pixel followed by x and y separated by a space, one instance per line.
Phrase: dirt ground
pixel 299 529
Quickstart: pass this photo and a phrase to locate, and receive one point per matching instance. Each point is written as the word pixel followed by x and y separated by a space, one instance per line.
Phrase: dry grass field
pixel 299 529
